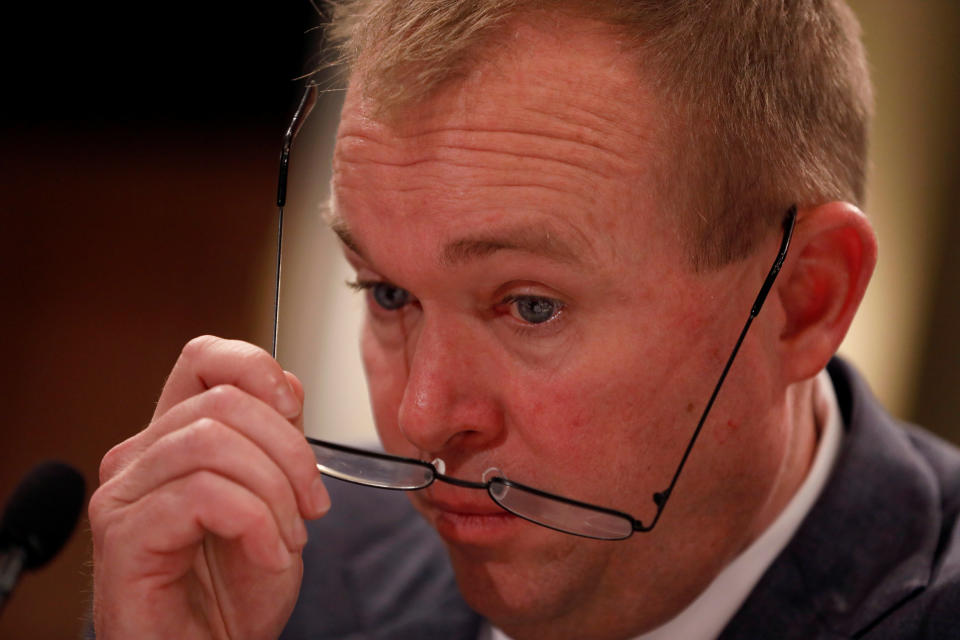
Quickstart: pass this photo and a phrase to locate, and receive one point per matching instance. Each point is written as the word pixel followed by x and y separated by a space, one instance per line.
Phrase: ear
pixel 823 281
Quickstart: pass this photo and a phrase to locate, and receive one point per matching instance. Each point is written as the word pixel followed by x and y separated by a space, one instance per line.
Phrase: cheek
pixel 610 426
pixel 619 413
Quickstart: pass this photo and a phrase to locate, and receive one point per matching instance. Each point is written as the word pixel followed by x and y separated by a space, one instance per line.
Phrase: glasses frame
pixel 487 486
pixel 660 498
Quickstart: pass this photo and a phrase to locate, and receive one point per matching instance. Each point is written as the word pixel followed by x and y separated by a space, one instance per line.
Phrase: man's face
pixel 531 308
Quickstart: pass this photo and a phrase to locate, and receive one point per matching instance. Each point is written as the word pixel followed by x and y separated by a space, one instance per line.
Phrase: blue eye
pixel 388 296
pixel 536 310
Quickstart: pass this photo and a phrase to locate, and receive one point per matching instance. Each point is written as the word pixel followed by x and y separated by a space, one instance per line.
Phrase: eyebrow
pixel 339 227
pixel 520 238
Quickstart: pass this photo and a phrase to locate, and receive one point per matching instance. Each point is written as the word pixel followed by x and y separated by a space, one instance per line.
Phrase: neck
pixel 802 433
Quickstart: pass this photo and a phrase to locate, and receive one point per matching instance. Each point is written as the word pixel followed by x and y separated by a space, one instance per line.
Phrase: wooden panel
pixel 117 247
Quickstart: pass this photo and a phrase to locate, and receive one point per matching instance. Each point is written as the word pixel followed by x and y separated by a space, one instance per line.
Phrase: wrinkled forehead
pixel 560 108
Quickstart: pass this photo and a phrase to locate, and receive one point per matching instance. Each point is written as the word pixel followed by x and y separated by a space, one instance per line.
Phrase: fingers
pixel 209 446
pixel 218 484
pixel 226 430
pixel 208 361
pixel 207 421
pixel 191 559
pixel 321 499
pixel 173 519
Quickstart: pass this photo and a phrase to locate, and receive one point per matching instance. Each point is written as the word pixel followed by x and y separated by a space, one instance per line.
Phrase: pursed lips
pixel 459 501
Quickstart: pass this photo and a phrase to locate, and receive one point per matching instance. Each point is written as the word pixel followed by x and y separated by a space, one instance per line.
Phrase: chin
pixel 537 579
pixel 507 593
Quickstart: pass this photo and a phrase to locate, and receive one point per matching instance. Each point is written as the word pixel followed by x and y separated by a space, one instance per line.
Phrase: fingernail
pixel 299 532
pixel 321 499
pixel 286 401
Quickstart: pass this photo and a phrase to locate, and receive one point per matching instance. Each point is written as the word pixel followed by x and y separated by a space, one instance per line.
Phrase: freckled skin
pixel 558 134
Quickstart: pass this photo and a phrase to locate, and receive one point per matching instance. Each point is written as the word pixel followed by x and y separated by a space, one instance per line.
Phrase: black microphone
pixel 38 520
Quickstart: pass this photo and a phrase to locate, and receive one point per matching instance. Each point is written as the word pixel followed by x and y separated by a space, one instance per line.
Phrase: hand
pixel 198 521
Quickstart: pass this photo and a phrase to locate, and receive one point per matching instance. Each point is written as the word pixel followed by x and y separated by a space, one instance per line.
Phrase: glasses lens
pixel 371 469
pixel 559 514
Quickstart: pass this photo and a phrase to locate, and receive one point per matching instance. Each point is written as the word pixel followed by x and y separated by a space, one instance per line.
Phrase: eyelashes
pixel 529 311
pixel 389 297
pixel 534 310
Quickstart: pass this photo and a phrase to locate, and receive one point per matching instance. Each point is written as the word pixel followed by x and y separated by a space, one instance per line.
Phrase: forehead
pixel 555 120
pixel 553 63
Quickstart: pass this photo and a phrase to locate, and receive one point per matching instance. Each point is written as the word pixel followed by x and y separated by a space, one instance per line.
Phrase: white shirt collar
pixel 705 617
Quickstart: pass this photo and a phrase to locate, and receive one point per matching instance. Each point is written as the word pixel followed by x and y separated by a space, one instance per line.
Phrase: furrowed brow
pixel 524 239
pixel 531 240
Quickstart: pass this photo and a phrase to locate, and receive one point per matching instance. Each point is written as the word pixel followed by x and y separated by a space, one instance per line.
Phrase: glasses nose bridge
pixel 460 482
pixel 446 392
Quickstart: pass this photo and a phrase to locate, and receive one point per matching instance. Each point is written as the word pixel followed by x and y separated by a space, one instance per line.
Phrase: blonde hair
pixel 770 100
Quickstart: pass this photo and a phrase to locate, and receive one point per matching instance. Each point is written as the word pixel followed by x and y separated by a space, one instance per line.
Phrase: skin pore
pixel 531 308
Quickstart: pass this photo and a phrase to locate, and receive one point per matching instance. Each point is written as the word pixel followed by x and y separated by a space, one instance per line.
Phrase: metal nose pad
pixel 491 473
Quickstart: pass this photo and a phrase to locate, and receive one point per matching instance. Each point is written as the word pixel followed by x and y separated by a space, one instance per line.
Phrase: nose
pixel 451 402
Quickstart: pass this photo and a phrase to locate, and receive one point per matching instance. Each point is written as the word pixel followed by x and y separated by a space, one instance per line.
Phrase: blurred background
pixel 138 156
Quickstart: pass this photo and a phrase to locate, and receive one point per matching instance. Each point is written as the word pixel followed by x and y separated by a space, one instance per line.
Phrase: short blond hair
pixel 770 99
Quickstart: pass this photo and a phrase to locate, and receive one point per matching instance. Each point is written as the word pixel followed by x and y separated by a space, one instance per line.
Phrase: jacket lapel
pixel 866 546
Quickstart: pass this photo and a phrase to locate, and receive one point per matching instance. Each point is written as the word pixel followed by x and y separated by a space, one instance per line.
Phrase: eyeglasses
pixel 385 471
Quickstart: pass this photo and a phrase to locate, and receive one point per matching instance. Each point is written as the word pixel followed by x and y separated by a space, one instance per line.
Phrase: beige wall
pixel 913 51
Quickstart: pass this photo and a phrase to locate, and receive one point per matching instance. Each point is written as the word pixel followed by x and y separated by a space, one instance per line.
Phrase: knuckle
pixel 213 442
pixel 257 516
pixel 245 350
pixel 254 356
pixel 205 433
pixel 198 345
pixel 206 488
pixel 223 398
pixel 262 362
pixel 113 461
pixel 109 465
pixel 97 509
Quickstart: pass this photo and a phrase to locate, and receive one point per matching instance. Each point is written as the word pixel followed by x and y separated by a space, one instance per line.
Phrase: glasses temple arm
pixel 305 106
pixel 789 222
pixel 660 498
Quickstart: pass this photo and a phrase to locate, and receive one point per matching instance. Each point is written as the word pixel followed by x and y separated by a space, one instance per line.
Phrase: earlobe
pixel 832 258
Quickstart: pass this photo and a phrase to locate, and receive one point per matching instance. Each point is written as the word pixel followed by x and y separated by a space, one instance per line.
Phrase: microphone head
pixel 43 512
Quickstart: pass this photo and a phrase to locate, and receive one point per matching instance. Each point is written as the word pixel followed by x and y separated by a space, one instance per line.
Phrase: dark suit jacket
pixel 877 557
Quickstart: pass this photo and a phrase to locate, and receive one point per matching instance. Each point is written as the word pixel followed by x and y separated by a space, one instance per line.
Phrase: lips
pixel 458 500
pixel 463 518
